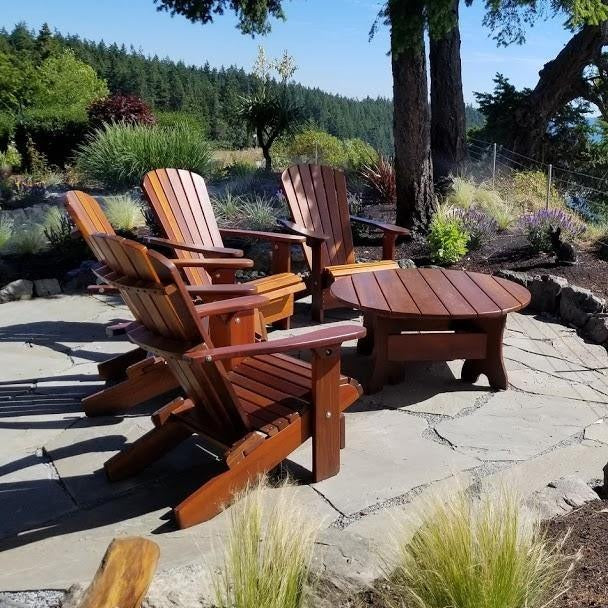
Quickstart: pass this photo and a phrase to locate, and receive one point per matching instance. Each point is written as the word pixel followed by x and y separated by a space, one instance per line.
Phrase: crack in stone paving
pixel 547 356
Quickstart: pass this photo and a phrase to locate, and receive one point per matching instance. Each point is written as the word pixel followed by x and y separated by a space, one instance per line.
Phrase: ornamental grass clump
pixel 537 227
pixel 379 177
pixel 124 212
pixel 477 554
pixel 6 231
pixel 447 237
pixel 268 557
pixel 119 155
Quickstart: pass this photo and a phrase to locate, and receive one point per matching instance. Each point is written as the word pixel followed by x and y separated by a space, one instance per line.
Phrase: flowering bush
pixel 478 225
pixel 537 225
pixel 120 108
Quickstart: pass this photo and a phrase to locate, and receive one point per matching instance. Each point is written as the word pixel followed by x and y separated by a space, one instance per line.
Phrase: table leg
pixel 383 370
pixel 493 365
pixel 365 345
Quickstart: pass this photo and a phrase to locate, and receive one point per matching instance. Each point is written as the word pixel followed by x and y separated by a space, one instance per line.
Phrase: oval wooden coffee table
pixel 430 314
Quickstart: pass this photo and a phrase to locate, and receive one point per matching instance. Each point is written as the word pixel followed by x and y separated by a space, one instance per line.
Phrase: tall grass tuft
pixel 6 231
pixel 119 155
pixel 484 554
pixel 124 212
pixel 268 558
pixel 28 240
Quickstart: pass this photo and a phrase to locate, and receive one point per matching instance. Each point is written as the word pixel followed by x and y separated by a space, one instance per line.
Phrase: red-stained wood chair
pixel 253 416
pixel 181 204
pixel 142 377
pixel 318 203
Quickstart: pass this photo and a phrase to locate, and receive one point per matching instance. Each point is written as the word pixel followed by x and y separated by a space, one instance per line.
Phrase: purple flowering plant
pixel 478 225
pixel 536 226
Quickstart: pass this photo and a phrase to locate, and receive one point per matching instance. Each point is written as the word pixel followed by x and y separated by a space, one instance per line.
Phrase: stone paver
pixel 422 438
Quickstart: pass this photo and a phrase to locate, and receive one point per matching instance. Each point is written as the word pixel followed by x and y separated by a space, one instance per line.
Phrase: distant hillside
pixel 213 94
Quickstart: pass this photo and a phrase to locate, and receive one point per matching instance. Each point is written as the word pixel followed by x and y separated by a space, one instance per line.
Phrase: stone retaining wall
pixel 575 306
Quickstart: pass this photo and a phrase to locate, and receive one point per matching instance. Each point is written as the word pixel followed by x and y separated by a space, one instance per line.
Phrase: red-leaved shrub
pixel 129 109
pixel 380 179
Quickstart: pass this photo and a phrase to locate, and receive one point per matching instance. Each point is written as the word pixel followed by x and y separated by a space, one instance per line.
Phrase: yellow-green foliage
pixel 267 562
pixel 10 157
pixel 447 238
pixel 526 191
pixel 466 193
pixel 476 554
pixel 312 146
pixel 124 212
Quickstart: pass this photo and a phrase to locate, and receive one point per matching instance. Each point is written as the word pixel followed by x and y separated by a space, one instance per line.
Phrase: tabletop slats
pixel 431 292
pixel 395 293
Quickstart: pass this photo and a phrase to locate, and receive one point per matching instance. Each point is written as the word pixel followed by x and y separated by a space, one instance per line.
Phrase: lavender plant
pixel 536 226
pixel 479 226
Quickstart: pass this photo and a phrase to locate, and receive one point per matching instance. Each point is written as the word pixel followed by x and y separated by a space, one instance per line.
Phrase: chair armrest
pixel 380 225
pixel 222 290
pixel 263 236
pixel 230 305
pixel 217 251
pixel 311 237
pixel 322 338
pixel 213 264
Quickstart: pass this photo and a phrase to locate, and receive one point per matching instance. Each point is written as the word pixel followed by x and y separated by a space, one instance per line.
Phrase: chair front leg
pixel 326 431
pixel 388 246
pixel 316 283
pixel 280 258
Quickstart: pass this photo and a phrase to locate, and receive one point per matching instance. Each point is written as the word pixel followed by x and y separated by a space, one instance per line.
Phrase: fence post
pixel 549 180
pixel 493 164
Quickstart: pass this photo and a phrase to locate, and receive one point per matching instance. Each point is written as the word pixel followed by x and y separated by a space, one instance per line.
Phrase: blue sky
pixel 328 38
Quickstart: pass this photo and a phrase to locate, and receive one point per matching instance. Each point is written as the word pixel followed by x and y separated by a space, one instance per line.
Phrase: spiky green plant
pixel 462 193
pixel 28 239
pixel 227 207
pixel 124 212
pixel 259 213
pixel 268 558
pixel 477 554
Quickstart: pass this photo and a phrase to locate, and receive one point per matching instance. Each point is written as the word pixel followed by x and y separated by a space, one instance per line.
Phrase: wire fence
pixel 578 187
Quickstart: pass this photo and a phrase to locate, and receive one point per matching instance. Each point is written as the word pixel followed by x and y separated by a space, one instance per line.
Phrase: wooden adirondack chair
pixel 143 377
pixel 182 207
pixel 252 417
pixel 319 211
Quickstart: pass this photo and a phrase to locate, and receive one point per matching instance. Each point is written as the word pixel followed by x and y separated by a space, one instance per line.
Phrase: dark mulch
pixel 508 251
pixel 588 534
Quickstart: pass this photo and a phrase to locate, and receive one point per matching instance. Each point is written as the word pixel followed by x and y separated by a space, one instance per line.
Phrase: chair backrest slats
pixel 318 201
pixel 88 217
pixel 181 205
pixel 159 301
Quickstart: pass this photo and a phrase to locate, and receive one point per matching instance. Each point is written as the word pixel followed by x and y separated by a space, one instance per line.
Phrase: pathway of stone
pixel 425 436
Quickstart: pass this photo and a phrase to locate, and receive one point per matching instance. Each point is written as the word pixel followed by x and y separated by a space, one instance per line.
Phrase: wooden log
pixel 124 575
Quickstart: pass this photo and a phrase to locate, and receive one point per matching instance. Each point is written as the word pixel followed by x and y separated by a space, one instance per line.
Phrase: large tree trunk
pixel 448 123
pixel 411 126
pixel 560 81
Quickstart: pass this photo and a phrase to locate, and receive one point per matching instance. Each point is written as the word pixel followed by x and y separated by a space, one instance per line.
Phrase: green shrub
pixel 11 157
pixel 118 155
pixel 6 231
pixel 447 238
pixel 268 558
pixel 124 212
pixel 28 240
pixel 487 554
pixel 527 191
pixel 54 132
pixel 57 228
pixel 187 119
pixel 7 129
pixel 318 147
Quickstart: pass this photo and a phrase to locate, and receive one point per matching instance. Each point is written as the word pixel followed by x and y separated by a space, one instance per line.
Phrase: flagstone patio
pixel 425 436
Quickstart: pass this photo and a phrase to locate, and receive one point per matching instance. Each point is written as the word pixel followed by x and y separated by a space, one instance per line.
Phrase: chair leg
pixel 213 496
pixel 342 431
pixel 317 304
pixel 146 450
pixel 156 380
pixel 116 367
pixel 282 323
